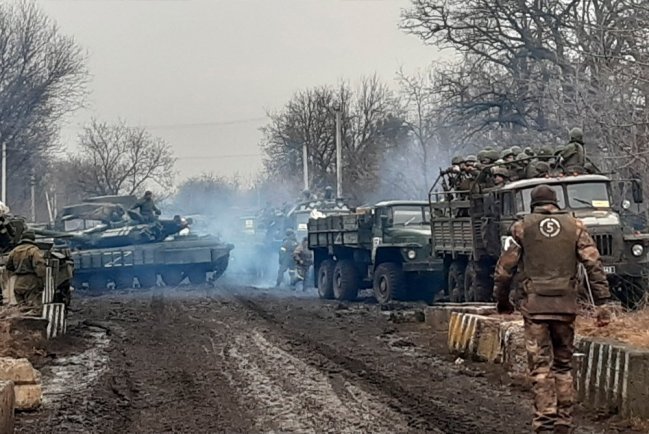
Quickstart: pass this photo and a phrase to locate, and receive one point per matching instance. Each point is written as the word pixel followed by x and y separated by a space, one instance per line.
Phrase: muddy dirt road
pixel 245 360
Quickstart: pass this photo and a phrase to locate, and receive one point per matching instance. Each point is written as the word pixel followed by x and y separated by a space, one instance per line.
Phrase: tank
pixel 58 257
pixel 113 246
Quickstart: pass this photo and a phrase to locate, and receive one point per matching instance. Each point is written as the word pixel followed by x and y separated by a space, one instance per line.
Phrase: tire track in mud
pixel 422 413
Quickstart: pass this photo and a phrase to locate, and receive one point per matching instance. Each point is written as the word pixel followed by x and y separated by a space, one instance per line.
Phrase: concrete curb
pixel 26 382
pixel 612 377
pixel 475 337
pixel 609 377
pixel 439 315
pixel 7 406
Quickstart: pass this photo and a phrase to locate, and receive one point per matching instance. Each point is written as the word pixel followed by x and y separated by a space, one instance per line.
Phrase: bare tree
pixel 42 77
pixel 371 123
pixel 118 159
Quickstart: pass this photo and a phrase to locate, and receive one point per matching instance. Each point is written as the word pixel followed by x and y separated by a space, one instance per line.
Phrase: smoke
pixel 229 209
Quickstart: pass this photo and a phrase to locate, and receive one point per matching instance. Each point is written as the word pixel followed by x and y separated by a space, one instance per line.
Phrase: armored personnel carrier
pixel 112 246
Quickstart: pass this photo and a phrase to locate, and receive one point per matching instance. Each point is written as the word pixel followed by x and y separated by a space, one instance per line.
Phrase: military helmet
pixel 493 155
pixel 28 235
pixel 329 188
pixel 506 153
pixel 543 195
pixel 516 150
pixel 529 151
pixel 500 171
pixel 499 161
pixel 489 148
pixel 545 151
pixel 471 159
pixel 576 135
pixel 522 156
pixel 148 193
pixel 457 160
pixel 482 155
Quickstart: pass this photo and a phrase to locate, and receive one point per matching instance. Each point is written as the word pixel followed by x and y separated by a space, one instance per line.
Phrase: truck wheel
pixel 345 281
pixel 470 282
pixel 456 281
pixel 389 282
pixel 326 279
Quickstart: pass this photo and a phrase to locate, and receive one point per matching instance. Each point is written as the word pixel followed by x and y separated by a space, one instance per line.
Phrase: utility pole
pixel 305 165
pixel 339 154
pixel 32 182
pixel 4 172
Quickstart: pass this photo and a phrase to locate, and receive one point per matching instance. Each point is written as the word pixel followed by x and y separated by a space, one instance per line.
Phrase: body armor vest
pixel 550 263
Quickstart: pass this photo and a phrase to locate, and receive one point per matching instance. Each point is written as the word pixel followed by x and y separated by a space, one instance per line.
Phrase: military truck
pixel 469 229
pixel 385 247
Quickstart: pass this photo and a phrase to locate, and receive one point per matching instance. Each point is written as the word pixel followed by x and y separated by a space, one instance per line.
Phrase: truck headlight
pixel 626 204
pixel 412 254
pixel 637 250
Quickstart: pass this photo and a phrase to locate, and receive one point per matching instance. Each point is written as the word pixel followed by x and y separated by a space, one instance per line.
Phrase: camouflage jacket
pixel 302 255
pixel 147 207
pixel 573 155
pixel 26 259
pixel 587 254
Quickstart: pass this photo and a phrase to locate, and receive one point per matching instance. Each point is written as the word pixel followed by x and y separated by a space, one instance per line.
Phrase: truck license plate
pixel 609 269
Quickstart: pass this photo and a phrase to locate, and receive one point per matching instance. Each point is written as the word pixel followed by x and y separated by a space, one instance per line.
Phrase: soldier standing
pixel 286 262
pixel 573 158
pixel 549 245
pixel 146 207
pixel 27 263
pixel 303 258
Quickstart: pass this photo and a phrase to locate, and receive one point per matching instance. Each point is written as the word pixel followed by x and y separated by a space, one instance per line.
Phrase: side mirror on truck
pixel 637 191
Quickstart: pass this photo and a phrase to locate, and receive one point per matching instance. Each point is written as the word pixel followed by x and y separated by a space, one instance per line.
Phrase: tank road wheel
pixel 172 276
pixel 97 282
pixel 345 281
pixel 470 282
pixel 389 282
pixel 147 278
pixel 325 279
pixel 123 280
pixel 456 281
pixel 197 275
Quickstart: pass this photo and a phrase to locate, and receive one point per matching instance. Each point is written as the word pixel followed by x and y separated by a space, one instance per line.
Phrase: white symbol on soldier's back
pixel 550 227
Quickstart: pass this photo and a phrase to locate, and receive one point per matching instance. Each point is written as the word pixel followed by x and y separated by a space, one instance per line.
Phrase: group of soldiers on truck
pixel 494 168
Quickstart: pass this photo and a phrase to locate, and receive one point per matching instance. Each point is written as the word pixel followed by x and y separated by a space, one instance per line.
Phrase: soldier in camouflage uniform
pixel 27 263
pixel 286 262
pixel 573 158
pixel 500 176
pixel 147 208
pixel 541 165
pixel 303 258
pixel 549 245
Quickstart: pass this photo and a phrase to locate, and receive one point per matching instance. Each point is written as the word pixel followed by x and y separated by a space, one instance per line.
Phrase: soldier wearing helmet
pixel 573 157
pixel 286 261
pixel 546 247
pixel 27 263
pixel 508 155
pixel 516 149
pixel 329 193
pixel 500 176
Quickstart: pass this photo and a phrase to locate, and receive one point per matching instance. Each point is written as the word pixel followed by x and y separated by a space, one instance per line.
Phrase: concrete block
pixel 612 378
pixel 439 315
pixel 22 336
pixel 7 405
pixel 513 351
pixel 20 371
pixel 474 337
pixel 26 382
pixel 28 396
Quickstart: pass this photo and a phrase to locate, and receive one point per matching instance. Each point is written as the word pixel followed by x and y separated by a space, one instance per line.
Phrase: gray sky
pixel 201 73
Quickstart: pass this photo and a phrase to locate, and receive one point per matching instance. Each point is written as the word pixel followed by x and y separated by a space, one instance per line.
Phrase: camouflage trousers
pixel 550 345
pixel 29 298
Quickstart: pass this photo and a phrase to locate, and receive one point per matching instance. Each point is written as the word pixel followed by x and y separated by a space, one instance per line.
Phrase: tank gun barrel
pixel 48 233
